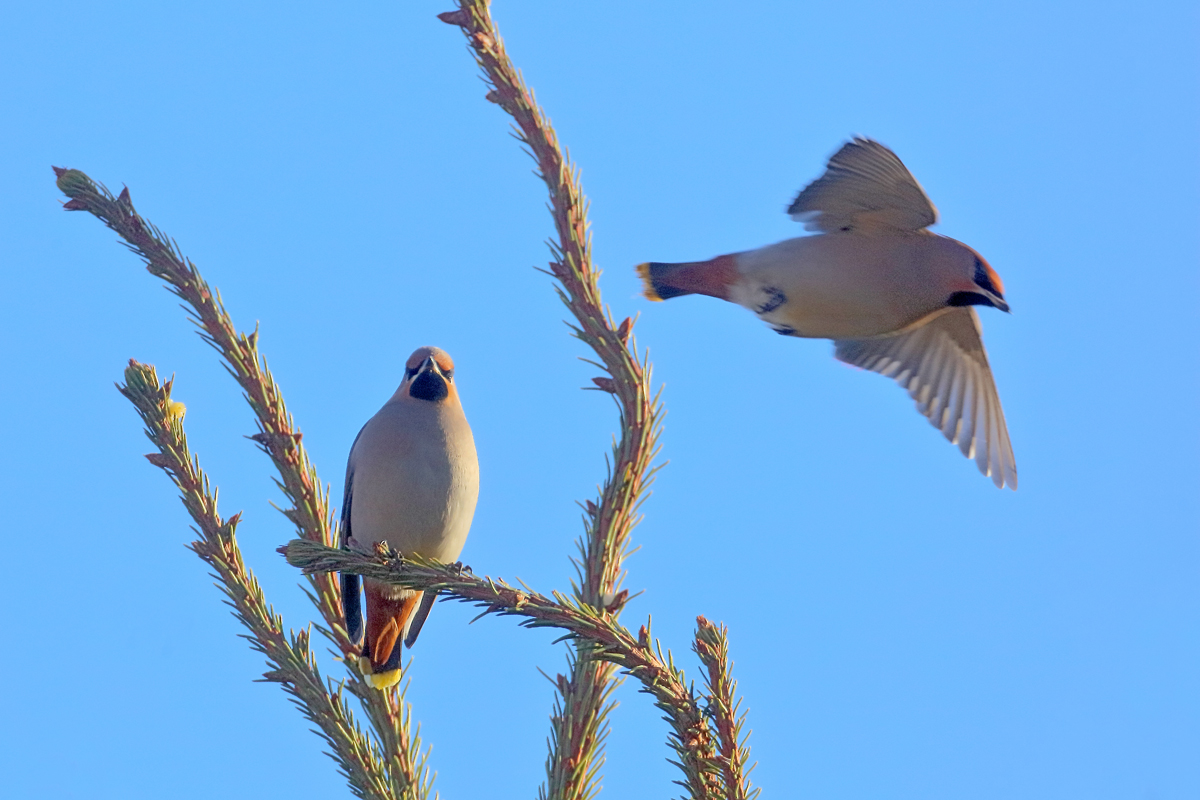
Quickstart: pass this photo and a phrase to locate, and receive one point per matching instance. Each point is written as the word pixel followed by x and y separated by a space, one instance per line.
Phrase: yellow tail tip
pixel 643 271
pixel 384 680
pixel 378 680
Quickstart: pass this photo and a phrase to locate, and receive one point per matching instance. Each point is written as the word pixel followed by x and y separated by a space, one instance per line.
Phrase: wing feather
pixel 351 598
pixel 942 363
pixel 864 184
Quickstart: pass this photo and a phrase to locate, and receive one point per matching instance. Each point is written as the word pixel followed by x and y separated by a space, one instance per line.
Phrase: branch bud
pixel 624 329
pixel 72 181
pixel 613 603
pixel 606 384
pixel 458 18
pixel 285 440
pixel 158 460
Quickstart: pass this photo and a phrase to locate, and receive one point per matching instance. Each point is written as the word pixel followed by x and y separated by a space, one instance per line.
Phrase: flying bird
pixel 894 297
pixel 412 480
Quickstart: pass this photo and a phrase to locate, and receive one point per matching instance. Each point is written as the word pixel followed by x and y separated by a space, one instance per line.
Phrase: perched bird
pixel 894 298
pixel 412 480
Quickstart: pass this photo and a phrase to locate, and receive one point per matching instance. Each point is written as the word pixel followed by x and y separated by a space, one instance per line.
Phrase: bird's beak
pixel 999 302
pixel 429 384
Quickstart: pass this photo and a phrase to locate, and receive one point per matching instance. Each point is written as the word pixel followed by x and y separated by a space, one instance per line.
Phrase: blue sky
pixel 900 628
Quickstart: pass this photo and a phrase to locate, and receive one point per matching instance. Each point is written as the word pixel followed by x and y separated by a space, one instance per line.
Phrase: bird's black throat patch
pixel 429 386
pixel 969 299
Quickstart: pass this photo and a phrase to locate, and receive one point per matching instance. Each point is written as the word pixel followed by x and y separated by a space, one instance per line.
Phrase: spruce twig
pixel 289 655
pixel 712 646
pixel 594 631
pixel 706 740
pixel 584 698
pixel 277 436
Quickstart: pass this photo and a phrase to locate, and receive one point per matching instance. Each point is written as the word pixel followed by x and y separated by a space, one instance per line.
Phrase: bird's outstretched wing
pixel 942 363
pixel 864 184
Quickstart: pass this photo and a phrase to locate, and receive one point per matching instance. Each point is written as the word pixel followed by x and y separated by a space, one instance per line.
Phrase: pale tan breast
pixel 415 480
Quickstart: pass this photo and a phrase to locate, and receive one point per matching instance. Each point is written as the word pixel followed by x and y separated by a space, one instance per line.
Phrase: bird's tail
pixel 654 285
pixel 386 620
pixel 662 281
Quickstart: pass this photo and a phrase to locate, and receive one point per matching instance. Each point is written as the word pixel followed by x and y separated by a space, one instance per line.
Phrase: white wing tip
pixel 811 220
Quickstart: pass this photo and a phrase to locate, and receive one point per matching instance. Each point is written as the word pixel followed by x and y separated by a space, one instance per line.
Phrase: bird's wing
pixel 351 599
pixel 413 628
pixel 864 184
pixel 942 363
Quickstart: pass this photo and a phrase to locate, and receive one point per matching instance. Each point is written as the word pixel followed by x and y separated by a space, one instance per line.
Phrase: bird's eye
pixel 448 374
pixel 411 371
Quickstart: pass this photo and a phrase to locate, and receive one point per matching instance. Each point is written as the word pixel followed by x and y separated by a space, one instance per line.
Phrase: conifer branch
pixel 712 646
pixel 706 738
pixel 594 631
pixel 289 656
pixel 277 436
pixel 578 724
